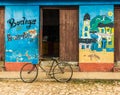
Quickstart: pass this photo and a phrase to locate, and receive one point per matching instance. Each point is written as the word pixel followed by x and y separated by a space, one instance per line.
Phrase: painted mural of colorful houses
pixel 97 33
pixel 106 32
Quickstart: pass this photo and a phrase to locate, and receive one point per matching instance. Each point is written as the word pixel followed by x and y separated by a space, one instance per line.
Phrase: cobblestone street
pixel 76 87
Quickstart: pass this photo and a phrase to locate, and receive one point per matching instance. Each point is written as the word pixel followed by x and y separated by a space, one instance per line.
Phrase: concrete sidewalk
pixel 76 75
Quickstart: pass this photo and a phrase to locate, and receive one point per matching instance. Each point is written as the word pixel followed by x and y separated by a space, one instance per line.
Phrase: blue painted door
pixel 21 33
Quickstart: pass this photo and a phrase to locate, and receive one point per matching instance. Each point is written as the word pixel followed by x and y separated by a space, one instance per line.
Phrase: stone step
pixel 116 69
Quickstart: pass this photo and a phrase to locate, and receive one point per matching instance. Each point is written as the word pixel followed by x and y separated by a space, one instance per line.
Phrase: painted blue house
pixel 81 31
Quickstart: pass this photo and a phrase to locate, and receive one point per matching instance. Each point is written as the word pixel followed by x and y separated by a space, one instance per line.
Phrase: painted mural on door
pixel 96 35
pixel 21 33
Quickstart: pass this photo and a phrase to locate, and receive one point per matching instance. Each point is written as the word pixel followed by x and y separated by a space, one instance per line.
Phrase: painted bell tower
pixel 86 26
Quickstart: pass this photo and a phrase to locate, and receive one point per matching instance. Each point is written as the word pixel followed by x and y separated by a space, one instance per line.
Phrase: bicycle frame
pixel 54 61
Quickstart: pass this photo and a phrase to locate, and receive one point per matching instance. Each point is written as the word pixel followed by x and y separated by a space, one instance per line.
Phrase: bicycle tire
pixel 28 73
pixel 62 72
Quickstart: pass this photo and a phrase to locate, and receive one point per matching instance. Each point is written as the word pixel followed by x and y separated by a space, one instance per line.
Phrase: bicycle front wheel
pixel 62 72
pixel 28 73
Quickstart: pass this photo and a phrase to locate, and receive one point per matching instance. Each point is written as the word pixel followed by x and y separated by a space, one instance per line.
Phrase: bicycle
pixel 59 70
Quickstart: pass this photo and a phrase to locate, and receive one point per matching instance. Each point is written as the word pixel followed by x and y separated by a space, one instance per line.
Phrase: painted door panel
pixel 96 42
pixel 21 34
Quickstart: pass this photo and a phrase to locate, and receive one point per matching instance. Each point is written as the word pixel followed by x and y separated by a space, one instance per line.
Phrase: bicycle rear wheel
pixel 62 72
pixel 28 73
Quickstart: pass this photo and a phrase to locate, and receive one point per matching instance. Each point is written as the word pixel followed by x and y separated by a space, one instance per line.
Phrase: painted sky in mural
pixel 21 33
pixel 96 30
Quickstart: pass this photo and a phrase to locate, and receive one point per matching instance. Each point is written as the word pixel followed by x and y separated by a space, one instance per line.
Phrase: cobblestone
pixel 8 87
